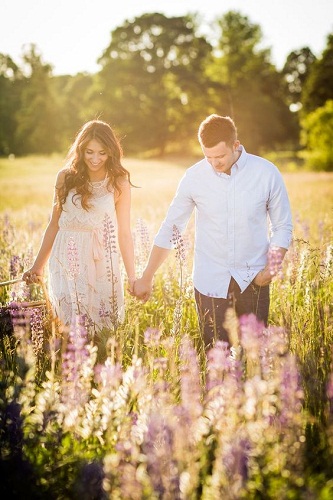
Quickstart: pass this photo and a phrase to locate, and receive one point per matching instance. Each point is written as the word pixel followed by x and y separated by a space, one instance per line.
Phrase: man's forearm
pixel 157 256
pixel 142 287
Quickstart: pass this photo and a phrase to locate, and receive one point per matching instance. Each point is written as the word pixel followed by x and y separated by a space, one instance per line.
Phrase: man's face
pixel 221 156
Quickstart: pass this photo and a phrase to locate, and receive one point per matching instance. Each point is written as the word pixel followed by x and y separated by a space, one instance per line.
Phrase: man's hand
pixel 263 278
pixel 274 263
pixel 142 289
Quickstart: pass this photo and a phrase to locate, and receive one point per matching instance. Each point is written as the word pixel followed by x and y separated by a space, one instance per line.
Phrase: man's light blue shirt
pixel 237 218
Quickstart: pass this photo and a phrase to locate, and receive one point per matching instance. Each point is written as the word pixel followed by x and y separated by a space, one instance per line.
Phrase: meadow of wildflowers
pixel 142 412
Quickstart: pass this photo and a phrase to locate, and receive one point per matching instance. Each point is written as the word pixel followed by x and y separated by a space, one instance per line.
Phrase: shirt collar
pixel 237 166
pixel 240 163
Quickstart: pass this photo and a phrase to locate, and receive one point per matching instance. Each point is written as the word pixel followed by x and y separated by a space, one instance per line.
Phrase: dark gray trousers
pixel 211 310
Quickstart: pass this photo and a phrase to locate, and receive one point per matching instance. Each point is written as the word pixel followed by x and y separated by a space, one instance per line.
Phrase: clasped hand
pixel 141 289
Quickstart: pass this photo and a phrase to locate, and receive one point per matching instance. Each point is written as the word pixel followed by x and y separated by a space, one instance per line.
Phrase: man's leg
pixel 211 314
pixel 211 310
pixel 254 300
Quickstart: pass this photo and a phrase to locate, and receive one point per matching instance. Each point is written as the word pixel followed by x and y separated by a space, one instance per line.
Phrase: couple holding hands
pixel 242 213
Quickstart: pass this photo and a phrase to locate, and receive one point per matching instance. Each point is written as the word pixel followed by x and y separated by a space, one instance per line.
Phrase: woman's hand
pixel 130 286
pixel 33 276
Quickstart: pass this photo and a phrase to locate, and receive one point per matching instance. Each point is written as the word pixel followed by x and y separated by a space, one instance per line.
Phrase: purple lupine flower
pixel 73 259
pixel 37 330
pixel 179 244
pixel 109 234
pixel 108 375
pixel 14 266
pixel 152 336
pixel 103 313
pixel 110 246
pixel 20 316
pixel 219 362
pixel 74 361
pixel 130 484
pixel 8 231
pixel 190 378
pixel 158 447
pixel 290 392
pixel 275 258
pixel 235 459
pixel 251 331
pixel 161 364
pixel 274 343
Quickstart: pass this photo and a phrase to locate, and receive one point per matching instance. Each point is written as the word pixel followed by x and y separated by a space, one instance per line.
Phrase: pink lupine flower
pixel 179 244
pixel 73 259
pixel 275 259
pixel 37 330
pixel 152 336
pixel 74 360
pixel 190 378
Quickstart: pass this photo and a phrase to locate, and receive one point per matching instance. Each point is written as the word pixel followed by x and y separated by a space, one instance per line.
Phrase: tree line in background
pixel 159 77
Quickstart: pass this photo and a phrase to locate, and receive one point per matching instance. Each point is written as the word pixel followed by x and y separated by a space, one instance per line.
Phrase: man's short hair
pixel 215 129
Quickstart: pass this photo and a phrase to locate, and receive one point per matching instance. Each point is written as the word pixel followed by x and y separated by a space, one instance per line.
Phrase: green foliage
pixel 296 71
pixel 252 89
pixel 318 86
pixel 159 78
pixel 36 116
pixel 10 90
pixel 317 133
pixel 147 86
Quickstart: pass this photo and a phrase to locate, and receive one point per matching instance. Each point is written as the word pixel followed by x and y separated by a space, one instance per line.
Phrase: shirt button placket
pixel 231 222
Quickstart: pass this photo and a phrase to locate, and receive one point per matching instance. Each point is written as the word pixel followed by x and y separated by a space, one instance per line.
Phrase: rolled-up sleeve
pixel 279 212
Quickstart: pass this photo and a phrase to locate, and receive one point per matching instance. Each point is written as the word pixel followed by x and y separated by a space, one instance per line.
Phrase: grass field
pixel 27 184
pixel 141 412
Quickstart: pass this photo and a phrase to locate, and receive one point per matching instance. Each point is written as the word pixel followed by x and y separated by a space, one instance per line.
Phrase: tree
pixel 152 79
pixel 318 87
pixel 10 79
pixel 73 104
pixel 252 90
pixel 317 133
pixel 37 130
pixel 296 71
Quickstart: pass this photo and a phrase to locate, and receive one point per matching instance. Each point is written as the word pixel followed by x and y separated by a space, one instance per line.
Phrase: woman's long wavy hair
pixel 76 176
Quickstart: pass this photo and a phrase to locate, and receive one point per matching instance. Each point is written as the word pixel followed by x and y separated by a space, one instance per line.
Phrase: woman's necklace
pixel 98 184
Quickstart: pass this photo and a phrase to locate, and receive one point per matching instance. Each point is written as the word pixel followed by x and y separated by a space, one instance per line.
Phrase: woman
pixel 90 219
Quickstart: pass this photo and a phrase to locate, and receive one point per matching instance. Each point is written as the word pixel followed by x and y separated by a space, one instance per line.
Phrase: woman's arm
pixel 33 274
pixel 125 239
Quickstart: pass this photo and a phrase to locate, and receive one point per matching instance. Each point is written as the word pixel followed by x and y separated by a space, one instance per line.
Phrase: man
pixel 241 212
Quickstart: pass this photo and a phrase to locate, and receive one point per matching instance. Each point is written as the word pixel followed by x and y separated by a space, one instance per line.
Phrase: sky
pixel 72 34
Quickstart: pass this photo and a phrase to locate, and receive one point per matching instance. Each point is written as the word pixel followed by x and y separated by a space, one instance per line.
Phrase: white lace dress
pixel 84 271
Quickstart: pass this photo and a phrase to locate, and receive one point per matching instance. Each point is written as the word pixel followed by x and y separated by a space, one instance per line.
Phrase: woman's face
pixel 95 157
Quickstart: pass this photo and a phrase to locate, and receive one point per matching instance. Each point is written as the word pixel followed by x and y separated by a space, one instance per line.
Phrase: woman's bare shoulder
pixel 123 181
pixel 61 177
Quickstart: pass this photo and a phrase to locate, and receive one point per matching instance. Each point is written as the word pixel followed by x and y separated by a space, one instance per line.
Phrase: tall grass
pixel 141 412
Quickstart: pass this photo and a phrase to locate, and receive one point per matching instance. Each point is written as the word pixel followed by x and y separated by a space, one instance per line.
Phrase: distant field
pixel 26 187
